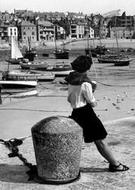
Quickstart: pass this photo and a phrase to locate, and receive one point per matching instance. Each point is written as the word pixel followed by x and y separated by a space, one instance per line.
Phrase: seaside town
pixel 47 26
pixel 67 92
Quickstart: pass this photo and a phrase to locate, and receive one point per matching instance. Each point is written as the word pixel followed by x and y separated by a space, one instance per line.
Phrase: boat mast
pixel 100 31
pixel 29 43
pixel 88 50
pixel 55 38
pixel 116 37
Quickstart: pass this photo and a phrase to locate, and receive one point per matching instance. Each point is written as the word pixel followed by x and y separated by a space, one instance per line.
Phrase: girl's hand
pixel 94 85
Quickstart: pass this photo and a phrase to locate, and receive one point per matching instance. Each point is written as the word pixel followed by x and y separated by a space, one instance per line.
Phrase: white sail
pixel 15 51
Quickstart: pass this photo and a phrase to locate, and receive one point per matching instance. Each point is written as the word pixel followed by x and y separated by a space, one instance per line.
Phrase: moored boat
pixel 17 84
pixel 24 94
pixel 94 52
pixel 27 75
pixel 59 69
pixel 16 56
pixel 125 61
pixel 30 53
pixel 117 60
pixel 34 65
pixel 61 53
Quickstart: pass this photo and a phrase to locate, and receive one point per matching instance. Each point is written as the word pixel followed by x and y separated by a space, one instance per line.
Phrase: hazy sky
pixel 85 6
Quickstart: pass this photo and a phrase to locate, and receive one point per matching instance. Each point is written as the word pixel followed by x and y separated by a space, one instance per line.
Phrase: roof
pixel 45 23
pixel 27 23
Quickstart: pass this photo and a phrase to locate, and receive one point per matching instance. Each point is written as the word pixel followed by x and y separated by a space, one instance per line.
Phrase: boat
pixel 99 50
pixel 17 84
pixel 27 75
pixel 24 94
pixel 59 69
pixel 34 65
pixel 16 56
pixel 117 60
pixel 122 61
pixel 30 53
pixel 61 53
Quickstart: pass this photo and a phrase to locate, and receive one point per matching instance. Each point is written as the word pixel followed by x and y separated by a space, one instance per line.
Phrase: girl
pixel 82 100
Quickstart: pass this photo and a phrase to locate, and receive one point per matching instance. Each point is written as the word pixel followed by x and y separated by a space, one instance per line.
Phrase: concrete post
pixel 57 142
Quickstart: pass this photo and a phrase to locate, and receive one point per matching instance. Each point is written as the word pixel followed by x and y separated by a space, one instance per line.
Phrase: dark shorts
pixel 93 128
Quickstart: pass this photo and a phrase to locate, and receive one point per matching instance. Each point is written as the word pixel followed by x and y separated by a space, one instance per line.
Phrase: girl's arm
pixel 88 94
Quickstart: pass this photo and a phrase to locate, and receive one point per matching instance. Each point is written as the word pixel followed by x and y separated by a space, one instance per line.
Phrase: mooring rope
pixel 12 146
pixel 106 84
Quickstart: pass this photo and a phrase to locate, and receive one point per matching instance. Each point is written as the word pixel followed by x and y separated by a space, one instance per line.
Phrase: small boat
pixel 61 53
pixel 16 55
pixel 125 61
pixel 24 94
pixel 118 60
pixel 30 53
pixel 27 75
pixel 59 69
pixel 17 84
pixel 99 50
pixel 34 65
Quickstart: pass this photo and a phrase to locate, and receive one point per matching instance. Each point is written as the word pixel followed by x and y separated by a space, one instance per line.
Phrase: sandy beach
pixel 115 95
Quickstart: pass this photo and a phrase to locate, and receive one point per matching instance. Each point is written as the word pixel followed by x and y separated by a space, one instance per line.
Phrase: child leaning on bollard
pixel 82 100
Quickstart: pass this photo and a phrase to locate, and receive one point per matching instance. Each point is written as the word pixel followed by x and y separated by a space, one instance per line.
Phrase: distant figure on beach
pixel 82 100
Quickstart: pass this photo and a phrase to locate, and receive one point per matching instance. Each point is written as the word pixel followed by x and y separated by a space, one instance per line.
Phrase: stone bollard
pixel 57 143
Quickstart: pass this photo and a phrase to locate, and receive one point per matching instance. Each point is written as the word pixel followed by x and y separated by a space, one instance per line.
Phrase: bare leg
pixel 105 152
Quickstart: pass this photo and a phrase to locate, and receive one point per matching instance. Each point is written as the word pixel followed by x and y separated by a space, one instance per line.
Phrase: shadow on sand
pixel 17 173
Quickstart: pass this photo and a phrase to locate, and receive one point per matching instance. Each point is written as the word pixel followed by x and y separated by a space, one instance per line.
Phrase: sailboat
pixel 94 51
pixel 16 56
pixel 61 53
pixel 30 53
pixel 117 58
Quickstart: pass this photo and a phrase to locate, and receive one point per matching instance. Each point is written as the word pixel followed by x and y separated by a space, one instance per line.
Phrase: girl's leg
pixel 105 152
pixel 114 165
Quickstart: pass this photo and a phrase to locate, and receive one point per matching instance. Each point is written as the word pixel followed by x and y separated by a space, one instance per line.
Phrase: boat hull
pixel 14 61
pixel 34 66
pixel 18 84
pixel 122 63
pixel 17 75
pixel 60 69
pixel 115 59
pixel 62 54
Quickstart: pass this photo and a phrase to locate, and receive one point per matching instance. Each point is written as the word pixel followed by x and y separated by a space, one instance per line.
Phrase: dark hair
pixel 82 63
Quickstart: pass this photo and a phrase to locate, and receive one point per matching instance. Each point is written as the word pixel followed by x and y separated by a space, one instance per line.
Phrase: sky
pixel 85 6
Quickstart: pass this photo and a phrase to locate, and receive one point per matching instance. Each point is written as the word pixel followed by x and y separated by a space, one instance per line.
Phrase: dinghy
pixel 17 84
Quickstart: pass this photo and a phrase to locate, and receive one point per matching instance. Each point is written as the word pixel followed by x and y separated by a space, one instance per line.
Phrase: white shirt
pixel 80 95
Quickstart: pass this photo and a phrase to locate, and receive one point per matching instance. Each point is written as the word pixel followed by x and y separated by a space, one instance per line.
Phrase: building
pixel 45 31
pixel 121 32
pixel 27 31
pixel 77 30
pixel 12 31
pixel 4 32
